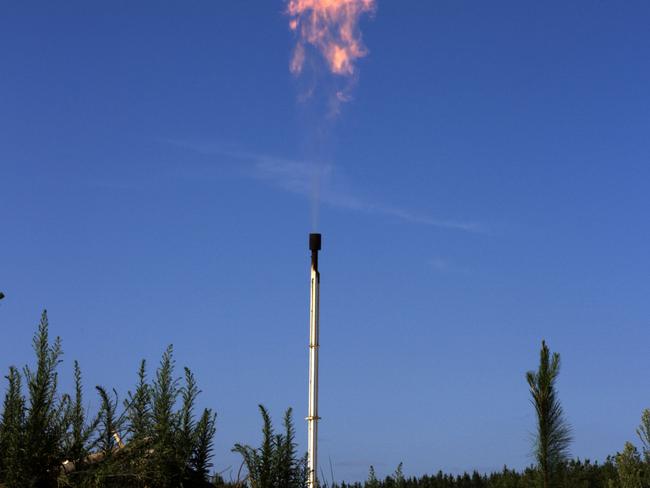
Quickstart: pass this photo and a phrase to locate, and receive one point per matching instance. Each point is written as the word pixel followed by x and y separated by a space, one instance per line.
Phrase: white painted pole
pixel 313 418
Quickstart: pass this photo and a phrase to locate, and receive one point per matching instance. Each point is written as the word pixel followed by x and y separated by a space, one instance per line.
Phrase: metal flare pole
pixel 313 418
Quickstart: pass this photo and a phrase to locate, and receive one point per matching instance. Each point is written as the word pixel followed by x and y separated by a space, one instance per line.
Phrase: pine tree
pixel 78 443
pixel 644 434
pixel 258 461
pixel 291 470
pixel 274 464
pixel 139 427
pixel 398 476
pixel 164 393
pixel 202 451
pixel 187 425
pixel 372 481
pixel 138 408
pixel 166 446
pixel 46 419
pixel 12 432
pixel 553 433
pixel 630 467
pixel 109 422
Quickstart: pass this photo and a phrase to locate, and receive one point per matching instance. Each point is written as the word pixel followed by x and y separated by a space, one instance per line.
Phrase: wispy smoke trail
pixel 329 28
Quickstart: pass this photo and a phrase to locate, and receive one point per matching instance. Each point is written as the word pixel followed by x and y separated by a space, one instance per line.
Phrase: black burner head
pixel 314 242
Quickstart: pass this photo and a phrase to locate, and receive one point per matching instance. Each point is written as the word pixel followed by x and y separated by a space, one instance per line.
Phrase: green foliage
pixel 203 444
pixel 275 463
pixel 398 476
pixel 12 440
pixel 372 481
pixel 79 440
pixel 644 434
pixel 48 440
pixel 553 433
pixel 109 423
pixel 138 408
pixel 575 474
pixel 187 428
pixel 630 467
pixel 164 393
pixel 45 423
pixel 165 447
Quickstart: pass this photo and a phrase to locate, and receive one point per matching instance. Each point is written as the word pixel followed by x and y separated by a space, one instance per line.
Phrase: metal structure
pixel 313 418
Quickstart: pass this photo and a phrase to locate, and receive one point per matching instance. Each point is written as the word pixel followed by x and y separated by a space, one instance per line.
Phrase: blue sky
pixel 486 188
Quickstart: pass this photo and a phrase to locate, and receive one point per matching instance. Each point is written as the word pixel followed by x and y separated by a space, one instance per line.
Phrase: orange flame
pixel 331 26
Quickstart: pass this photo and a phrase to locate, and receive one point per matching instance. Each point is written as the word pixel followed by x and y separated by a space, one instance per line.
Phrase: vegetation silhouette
pixel 553 433
pixel 154 438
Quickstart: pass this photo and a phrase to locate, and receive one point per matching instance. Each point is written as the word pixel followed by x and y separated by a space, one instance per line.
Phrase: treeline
pixel 156 438
pixel 627 469
pixel 573 474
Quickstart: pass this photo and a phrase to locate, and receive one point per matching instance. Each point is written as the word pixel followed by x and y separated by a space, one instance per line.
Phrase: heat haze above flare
pixel 331 27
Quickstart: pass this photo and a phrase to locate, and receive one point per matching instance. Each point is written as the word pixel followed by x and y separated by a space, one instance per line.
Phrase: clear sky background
pixel 486 188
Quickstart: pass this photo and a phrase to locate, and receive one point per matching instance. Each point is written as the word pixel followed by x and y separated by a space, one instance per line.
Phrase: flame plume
pixel 331 26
